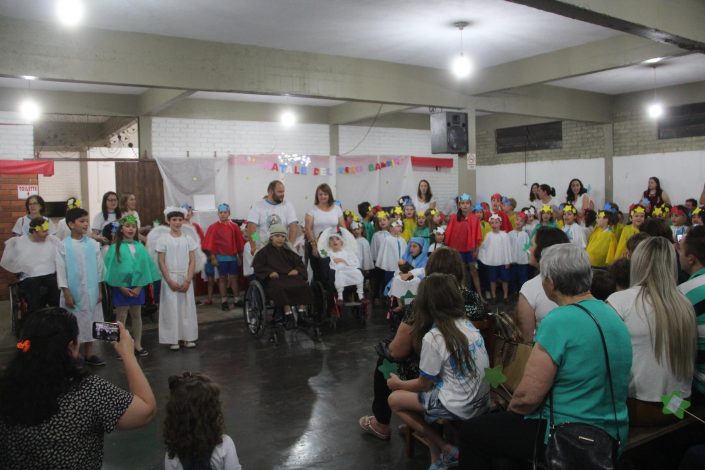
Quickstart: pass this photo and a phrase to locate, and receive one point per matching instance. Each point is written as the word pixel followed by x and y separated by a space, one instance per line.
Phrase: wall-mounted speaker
pixel 449 132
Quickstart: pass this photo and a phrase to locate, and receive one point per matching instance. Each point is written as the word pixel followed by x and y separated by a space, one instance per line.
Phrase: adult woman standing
pixel 54 415
pixel 324 214
pixel 655 195
pixel 661 322
pixel 534 194
pixel 567 361
pixel 577 196
pixel 35 208
pixel 546 194
pixel 109 212
pixel 424 198
pixel 533 304
pixel 128 206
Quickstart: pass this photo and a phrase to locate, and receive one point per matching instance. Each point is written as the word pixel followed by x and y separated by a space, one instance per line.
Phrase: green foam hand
pixel 387 367
pixel 494 376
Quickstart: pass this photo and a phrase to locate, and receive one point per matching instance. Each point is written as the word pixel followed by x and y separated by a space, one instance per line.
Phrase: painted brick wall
pixel 173 137
pixel 16 138
pixel 580 140
pixel 636 134
pixel 11 209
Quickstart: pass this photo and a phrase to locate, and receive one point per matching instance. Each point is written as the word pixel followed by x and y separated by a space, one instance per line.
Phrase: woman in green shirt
pixel 566 359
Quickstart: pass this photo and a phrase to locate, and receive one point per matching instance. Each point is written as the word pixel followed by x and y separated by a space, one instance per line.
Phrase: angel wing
pixel 349 243
pixel 201 257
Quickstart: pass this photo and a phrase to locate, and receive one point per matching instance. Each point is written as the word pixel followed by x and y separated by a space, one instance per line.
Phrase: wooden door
pixel 142 178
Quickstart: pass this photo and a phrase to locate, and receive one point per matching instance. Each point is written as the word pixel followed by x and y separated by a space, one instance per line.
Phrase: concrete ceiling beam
pixel 352 111
pixel 65 102
pixel 679 23
pixel 155 100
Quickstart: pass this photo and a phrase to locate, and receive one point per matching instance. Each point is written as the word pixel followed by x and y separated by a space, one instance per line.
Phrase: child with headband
pixel 464 235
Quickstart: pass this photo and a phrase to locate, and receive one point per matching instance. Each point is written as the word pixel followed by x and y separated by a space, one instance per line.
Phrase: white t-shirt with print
pixel 264 214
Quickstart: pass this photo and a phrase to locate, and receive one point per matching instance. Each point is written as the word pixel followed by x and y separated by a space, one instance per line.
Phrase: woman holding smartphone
pixel 53 414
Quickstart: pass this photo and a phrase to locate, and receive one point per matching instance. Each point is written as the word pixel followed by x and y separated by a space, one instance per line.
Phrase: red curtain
pixel 27 167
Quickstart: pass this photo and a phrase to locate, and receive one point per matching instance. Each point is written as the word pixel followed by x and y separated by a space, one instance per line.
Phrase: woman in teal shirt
pixel 567 357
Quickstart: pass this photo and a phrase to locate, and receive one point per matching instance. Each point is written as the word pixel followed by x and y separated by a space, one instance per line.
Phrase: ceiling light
pixel 461 66
pixel 655 110
pixel 69 12
pixel 28 77
pixel 288 118
pixel 30 110
pixel 654 60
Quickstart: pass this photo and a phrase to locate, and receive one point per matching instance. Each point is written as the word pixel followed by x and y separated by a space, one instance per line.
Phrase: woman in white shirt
pixel 109 212
pixel 35 208
pixel 128 206
pixel 533 304
pixel 424 198
pixel 578 197
pixel 324 214
pixel 661 323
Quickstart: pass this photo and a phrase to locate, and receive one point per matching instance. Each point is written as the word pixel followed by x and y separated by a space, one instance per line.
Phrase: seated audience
pixel 661 323
pixel 533 305
pixel 53 414
pixel 620 271
pixel 451 368
pixel 634 241
pixel 194 428
pixel 603 284
pixel 567 362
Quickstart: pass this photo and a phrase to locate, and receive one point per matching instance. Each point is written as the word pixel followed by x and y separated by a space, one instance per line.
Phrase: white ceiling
pixel 275 99
pixel 670 71
pixel 69 86
pixel 416 32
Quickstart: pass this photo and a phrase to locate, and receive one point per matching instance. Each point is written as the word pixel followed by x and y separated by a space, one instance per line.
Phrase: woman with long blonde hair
pixel 661 323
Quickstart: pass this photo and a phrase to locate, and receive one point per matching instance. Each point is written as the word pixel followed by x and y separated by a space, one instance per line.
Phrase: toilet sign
pixel 26 190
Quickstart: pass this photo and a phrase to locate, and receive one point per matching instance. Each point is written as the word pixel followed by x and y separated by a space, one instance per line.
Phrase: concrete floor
pixel 292 405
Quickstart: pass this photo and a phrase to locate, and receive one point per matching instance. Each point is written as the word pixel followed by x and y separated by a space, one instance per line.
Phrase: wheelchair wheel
pixel 255 307
pixel 15 309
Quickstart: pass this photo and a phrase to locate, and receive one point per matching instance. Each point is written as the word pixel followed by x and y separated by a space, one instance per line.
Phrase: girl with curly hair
pixel 194 428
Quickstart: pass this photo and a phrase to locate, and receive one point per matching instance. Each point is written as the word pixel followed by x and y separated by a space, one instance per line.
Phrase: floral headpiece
pixel 223 207
pixel 171 209
pixel 431 212
pixel 24 345
pixel 546 209
pixel 44 226
pixel 638 210
pixel 570 208
pixel 496 196
pixel 531 210
pixel 441 230
pixel 380 214
pixel 505 200
pixel 601 214
pixel 495 216
pixel 478 208
pixel 522 215
pixel 397 223
pixel 349 213
pixel 696 211
pixel 677 211
pixel 465 197
pixel 128 219
pixel 355 225
pixel 397 211
pixel 73 203
pixel 405 201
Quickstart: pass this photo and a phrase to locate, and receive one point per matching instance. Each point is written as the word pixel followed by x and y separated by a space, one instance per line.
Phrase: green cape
pixel 131 271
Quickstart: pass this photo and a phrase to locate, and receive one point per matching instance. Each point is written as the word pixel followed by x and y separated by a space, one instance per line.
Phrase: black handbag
pixel 578 446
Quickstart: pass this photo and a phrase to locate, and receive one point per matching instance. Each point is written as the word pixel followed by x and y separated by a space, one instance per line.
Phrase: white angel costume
pixel 28 258
pixel 177 310
pixel 576 234
pixel 79 267
pixel 364 254
pixel 344 262
pixel 496 249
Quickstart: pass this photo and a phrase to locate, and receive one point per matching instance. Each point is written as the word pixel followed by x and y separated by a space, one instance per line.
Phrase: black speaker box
pixel 449 132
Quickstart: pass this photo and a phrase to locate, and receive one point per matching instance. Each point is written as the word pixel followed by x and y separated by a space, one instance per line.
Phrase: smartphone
pixel 106 331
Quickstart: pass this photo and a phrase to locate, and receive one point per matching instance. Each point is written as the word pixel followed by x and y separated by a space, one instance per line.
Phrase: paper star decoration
pixel 494 376
pixel 388 368
pixel 674 404
pixel 527 246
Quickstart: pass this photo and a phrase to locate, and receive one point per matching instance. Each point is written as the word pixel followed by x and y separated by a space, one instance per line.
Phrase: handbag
pixel 577 446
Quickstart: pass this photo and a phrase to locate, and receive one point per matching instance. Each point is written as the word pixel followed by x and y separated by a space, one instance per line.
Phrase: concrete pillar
pixel 608 130
pixel 144 126
pixel 334 146
pixel 467 178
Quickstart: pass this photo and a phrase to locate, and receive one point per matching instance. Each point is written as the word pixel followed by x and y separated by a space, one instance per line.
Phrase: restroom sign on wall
pixel 26 190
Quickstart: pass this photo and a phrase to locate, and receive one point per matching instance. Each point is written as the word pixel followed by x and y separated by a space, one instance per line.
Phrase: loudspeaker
pixel 449 132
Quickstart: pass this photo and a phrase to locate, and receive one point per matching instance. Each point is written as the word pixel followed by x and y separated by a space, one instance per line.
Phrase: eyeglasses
pixel 111 199
pixel 35 203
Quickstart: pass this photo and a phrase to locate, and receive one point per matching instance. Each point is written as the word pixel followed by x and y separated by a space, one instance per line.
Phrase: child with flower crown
pixel 575 231
pixel 603 242
pixel 378 239
pixel 496 208
pixel 390 251
pixel 637 215
pixel 496 254
pixel 438 236
pixel 423 228
pixel 464 235
pixel 363 247
pixel 128 270
pixel 519 269
pixel 680 222
pixel 409 217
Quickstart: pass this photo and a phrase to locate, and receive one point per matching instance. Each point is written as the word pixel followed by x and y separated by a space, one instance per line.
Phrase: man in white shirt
pixel 268 211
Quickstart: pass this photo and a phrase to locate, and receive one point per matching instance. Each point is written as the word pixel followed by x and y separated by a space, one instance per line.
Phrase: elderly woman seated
pixel 282 272
pixel 566 360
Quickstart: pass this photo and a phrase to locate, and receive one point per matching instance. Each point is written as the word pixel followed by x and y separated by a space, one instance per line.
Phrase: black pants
pixel 40 292
pixel 504 435
pixel 380 405
pixel 321 270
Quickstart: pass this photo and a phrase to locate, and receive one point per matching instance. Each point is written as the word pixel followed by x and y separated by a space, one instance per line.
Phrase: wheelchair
pixel 352 305
pixel 19 307
pixel 257 307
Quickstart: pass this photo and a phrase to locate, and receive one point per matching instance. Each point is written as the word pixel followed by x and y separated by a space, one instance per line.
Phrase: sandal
pixel 367 426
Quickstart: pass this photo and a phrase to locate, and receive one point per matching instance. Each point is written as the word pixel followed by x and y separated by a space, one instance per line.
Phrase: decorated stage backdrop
pixel 242 179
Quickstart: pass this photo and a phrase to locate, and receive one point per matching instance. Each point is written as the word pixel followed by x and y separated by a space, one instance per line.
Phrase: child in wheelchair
pixel 342 250
pixel 282 273
pixel 33 258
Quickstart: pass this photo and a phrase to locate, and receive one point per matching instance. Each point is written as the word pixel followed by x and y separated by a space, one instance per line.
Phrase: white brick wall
pixel 173 137
pixel 16 138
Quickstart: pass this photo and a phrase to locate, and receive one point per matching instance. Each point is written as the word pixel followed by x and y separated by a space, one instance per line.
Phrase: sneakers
pixel 141 352
pixel 225 306
pixel 447 460
pixel 189 344
pixel 174 347
pixel 95 360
